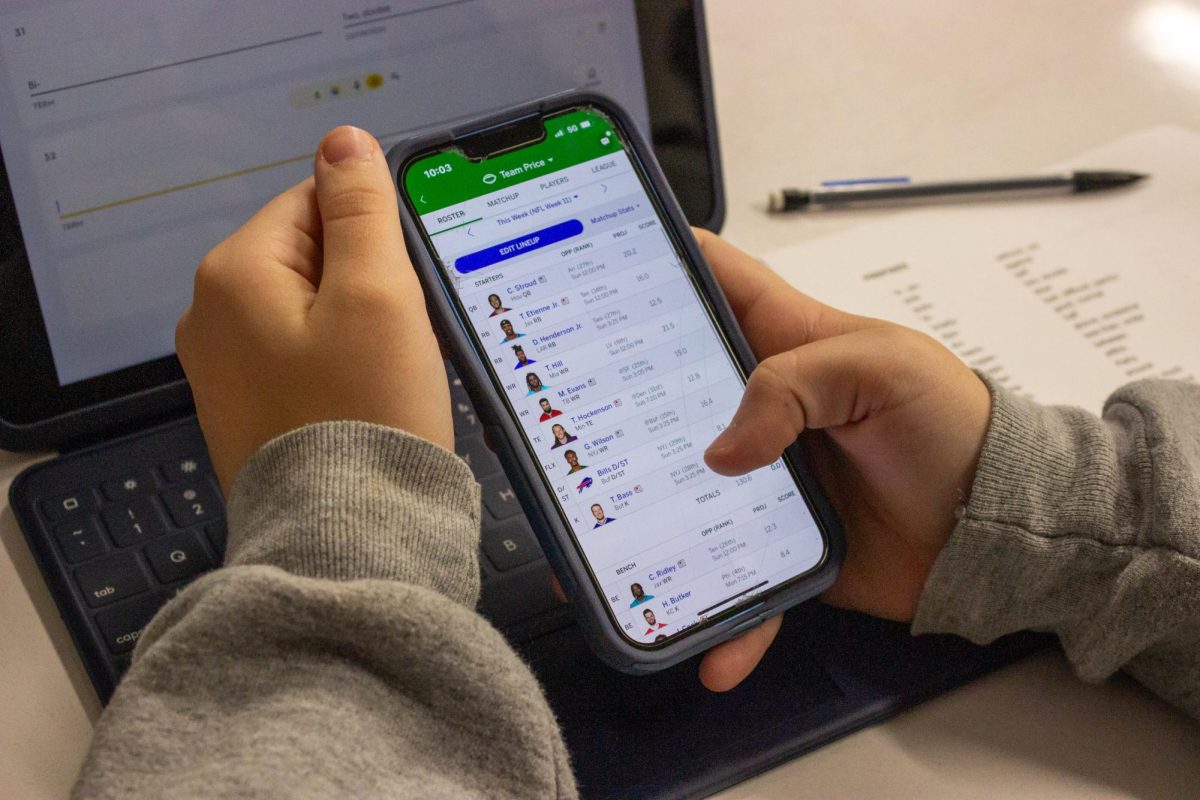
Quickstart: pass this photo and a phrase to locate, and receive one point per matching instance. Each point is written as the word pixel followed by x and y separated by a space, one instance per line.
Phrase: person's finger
pixel 287 231
pixel 266 268
pixel 820 385
pixel 744 279
pixel 363 242
pixel 773 315
pixel 729 663
pixel 557 588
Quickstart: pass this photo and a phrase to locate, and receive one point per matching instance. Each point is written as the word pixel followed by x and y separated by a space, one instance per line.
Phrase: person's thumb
pixel 823 384
pixel 360 222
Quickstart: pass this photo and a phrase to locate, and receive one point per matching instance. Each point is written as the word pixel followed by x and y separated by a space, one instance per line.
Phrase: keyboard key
pixel 177 556
pixel 55 508
pixel 509 598
pixel 499 498
pixel 510 545
pixel 217 533
pixel 128 486
pixel 466 423
pixel 79 539
pixel 111 579
pixel 133 522
pixel 121 625
pixel 479 457
pixel 457 390
pixel 175 588
pixel 191 503
pixel 184 468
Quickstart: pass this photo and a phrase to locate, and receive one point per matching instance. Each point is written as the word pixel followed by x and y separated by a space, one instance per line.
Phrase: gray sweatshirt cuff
pixel 352 500
pixel 1040 494
pixel 1085 527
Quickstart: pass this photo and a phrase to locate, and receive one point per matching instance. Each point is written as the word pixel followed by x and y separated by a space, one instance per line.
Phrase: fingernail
pixel 722 442
pixel 347 143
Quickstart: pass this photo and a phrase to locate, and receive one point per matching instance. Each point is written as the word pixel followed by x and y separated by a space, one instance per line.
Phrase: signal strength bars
pixel 574 128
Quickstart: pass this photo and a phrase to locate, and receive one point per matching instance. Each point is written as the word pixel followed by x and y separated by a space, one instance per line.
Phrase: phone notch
pixel 488 142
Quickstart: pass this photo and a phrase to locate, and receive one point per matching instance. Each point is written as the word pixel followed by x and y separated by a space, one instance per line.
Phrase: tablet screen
pixel 138 135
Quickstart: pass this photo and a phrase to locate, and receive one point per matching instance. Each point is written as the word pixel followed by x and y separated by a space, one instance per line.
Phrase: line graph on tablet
pixel 138 135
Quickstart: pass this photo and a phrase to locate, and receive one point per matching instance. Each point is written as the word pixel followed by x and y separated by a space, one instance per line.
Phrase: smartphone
pixel 603 359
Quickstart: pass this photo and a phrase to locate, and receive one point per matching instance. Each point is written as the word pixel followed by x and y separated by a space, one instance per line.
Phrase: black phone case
pixel 536 499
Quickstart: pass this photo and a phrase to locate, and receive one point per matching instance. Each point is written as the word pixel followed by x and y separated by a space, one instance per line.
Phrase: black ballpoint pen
pixel 857 194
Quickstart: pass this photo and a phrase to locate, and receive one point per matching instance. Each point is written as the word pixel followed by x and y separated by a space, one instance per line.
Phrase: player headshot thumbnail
pixel 548 411
pixel 639 595
pixel 506 327
pixel 601 518
pixel 534 383
pixel 522 359
pixel 497 306
pixel 652 622
pixel 573 462
pixel 561 436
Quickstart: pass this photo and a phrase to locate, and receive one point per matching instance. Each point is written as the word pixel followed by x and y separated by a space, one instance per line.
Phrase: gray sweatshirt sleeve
pixel 337 654
pixel 1089 528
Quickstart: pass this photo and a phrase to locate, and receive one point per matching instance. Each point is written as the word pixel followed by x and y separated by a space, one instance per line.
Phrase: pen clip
pixel 856 182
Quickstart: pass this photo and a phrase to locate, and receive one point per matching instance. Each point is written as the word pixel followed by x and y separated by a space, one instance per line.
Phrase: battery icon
pixel 585 123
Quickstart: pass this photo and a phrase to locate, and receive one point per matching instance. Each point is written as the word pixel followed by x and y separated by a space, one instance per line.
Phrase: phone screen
pixel 616 372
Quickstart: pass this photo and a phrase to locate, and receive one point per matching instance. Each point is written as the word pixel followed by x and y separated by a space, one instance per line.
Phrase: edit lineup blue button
pixel 515 247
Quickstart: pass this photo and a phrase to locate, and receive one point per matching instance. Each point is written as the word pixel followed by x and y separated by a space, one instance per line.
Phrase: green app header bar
pixel 448 178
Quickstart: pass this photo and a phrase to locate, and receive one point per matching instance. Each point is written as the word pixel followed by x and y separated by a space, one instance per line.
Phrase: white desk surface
pixel 809 91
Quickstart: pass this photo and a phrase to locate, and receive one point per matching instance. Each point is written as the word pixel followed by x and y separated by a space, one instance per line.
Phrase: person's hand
pixel 310 312
pixel 903 422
